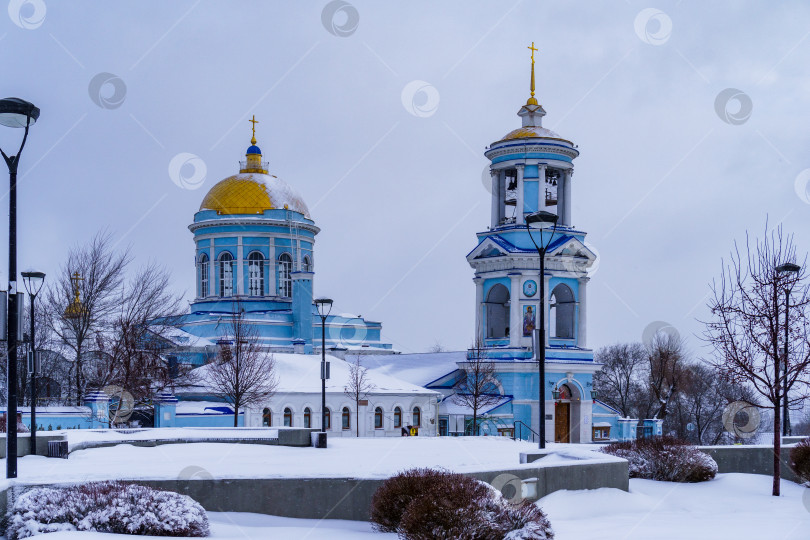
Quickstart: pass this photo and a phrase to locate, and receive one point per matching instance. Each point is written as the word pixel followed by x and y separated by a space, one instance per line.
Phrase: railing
pixel 254 166
pixel 522 428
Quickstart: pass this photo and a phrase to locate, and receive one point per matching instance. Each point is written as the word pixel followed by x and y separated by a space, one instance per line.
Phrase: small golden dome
pixel 252 193
pixel 530 132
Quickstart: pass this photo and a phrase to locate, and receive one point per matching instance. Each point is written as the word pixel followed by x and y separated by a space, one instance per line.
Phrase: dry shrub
pixel 800 460
pixel 396 493
pixel 427 504
pixel 664 458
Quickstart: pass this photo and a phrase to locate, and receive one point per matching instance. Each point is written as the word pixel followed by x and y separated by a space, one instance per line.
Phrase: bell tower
pixel 531 168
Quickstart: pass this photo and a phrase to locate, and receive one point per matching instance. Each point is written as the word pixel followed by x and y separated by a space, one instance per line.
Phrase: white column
pixel 520 196
pixel 561 199
pixel 479 307
pixel 582 326
pixel 515 330
pixel 240 285
pixel 501 195
pixel 541 187
pixel 567 200
pixel 212 264
pixel 494 174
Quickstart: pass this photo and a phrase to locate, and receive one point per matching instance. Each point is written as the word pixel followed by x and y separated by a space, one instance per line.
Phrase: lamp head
pixel 324 306
pixel 33 281
pixel 17 113
pixel 541 218
pixel 788 267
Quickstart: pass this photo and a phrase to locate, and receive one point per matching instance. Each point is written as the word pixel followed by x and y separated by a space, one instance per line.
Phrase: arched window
pixel 203 268
pixel 378 418
pixel 267 417
pixel 327 415
pixel 417 417
pixel 285 275
pixel 561 315
pixel 307 263
pixel 307 418
pixel 226 274
pixel 255 274
pixel 565 392
pixel 346 418
pixel 397 417
pixel 497 312
pixel 288 419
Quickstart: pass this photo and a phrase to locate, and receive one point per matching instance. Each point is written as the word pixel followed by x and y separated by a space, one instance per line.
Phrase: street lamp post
pixel 543 219
pixel 33 281
pixel 16 113
pixel 788 268
pixel 324 308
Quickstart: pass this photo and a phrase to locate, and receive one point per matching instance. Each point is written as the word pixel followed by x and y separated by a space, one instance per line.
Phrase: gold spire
pixel 75 309
pixel 253 139
pixel 532 100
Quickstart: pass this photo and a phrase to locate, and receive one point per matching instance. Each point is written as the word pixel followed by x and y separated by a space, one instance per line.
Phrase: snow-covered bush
pixel 111 507
pixel 422 504
pixel 664 458
pixel 800 460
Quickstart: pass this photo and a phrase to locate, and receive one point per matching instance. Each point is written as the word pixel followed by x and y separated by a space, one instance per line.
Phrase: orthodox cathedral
pixel 254 250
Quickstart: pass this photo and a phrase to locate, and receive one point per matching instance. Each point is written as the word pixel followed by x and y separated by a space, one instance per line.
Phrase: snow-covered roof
pixel 602 424
pixel 419 369
pixel 203 407
pixel 180 337
pixel 301 373
pixel 450 406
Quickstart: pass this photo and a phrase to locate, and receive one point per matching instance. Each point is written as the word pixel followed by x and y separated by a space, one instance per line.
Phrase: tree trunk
pixel 235 416
pixel 357 418
pixel 78 374
pixel 475 421
pixel 777 451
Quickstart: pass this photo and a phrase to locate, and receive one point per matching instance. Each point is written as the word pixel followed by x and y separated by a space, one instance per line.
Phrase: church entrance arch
pixel 567 411
pixel 497 312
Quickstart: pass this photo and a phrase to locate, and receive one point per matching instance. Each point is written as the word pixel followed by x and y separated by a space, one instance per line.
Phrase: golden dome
pixel 529 132
pixel 253 193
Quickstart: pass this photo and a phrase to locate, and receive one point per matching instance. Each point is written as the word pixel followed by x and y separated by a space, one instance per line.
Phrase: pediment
pixel 487 249
pixel 573 247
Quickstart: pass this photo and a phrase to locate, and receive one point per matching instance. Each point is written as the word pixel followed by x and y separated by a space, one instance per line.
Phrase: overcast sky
pixel 669 174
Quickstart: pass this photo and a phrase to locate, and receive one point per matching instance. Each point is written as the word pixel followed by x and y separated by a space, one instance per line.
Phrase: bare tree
pixel 131 353
pixel 477 388
pixel 665 358
pixel 618 382
pixel 746 330
pixel 242 374
pixel 358 388
pixel 436 348
pixel 83 295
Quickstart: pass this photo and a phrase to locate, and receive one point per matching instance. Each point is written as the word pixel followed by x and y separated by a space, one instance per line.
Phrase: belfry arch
pixel 497 312
pixel 562 313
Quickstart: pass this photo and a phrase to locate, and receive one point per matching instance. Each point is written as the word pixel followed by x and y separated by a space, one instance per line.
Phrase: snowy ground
pixel 732 506
pixel 349 457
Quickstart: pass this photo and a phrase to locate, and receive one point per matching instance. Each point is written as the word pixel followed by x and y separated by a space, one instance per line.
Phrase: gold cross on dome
pixel 253 139
pixel 533 49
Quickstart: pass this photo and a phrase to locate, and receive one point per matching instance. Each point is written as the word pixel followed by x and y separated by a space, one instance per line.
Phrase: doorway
pixel 562 420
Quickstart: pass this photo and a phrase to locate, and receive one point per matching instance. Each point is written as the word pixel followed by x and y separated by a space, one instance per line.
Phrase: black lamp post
pixel 33 281
pixel 15 113
pixel 788 268
pixel 324 308
pixel 543 219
